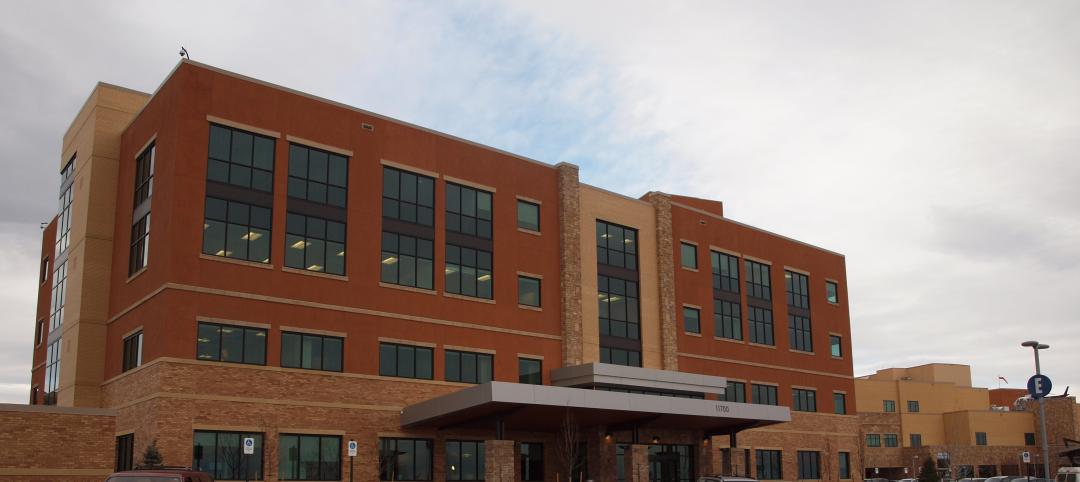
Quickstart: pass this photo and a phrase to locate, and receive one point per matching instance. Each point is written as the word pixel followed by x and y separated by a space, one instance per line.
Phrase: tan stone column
pixel 499 458
pixel 636 463
pixel 570 262
pixel 665 269
pixel 705 458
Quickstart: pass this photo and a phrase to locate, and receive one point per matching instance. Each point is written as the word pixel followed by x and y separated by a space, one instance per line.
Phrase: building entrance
pixel 671 463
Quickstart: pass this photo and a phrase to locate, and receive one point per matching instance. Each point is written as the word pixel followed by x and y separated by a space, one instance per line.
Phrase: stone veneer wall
pixel 570 262
pixel 665 260
pixel 56 443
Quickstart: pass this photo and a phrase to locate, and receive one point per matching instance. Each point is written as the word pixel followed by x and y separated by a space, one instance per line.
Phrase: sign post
pixel 249 449
pixel 352 454
pixel 1039 387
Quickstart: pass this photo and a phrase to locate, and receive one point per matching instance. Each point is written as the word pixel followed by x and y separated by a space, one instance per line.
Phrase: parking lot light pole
pixel 1036 346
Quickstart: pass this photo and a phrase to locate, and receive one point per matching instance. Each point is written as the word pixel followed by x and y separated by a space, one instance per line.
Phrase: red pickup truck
pixel 161 475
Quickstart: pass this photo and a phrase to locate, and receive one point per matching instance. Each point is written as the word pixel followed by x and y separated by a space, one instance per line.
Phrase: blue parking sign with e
pixel 1039 386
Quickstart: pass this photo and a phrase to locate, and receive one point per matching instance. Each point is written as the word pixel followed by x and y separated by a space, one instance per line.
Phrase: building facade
pixel 233 259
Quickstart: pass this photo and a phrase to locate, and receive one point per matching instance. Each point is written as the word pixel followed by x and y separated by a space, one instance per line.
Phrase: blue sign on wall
pixel 1039 386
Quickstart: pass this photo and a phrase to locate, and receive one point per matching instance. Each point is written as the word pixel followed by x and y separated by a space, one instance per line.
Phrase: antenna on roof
pixel 183 53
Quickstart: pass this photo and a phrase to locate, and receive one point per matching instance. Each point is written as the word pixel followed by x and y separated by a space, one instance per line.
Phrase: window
pixel 221 454
pixel 52 371
pixel 873 440
pixel 532 461
pixel 764 394
pixel 735 392
pixel 315 352
pixel 44 273
pixel 839 403
pixel 236 230
pixel 913 406
pixel 405 459
pixel 468 272
pixel 987 471
pixel 835 347
pixel 528 291
pixel 758 284
pixel 844 465
pixel 59 295
pixel 692 319
pixel 728 319
pixel 309 457
pixel 798 292
pixel 916 439
pixel 809 464
pixel 39 333
pixel 234 344
pixel 314 244
pixel 240 158
pixel 530 371
pixel 144 175
pixel 1029 438
pixel 468 211
pixel 528 215
pixel 725 272
pixel 799 333
pixel 464 460
pixel 831 292
pixel 139 252
pixel 768 465
pixel 618 356
pixel 803 400
pixel 980 438
pixel 125 452
pixel 63 217
pixel 891 440
pixel 405 361
pixel 618 299
pixel 889 406
pixel 467 367
pixel 761 325
pixel 408 197
pixel 688 255
pixel 132 351
pixel 318 176
pixel 616 245
pixel 407 261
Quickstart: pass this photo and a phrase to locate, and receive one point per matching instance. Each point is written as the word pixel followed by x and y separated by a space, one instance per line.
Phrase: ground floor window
pixel 309 457
pixel 845 465
pixel 532 461
pixel 221 454
pixel 671 462
pixel 464 460
pixel 125 451
pixel 405 459
pixel 809 464
pixel 987 471
pixel 768 465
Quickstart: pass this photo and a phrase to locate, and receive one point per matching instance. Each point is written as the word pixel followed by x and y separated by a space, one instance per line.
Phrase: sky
pixel 934 144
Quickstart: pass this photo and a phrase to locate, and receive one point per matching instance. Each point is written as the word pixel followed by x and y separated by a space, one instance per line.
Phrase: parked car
pixel 725 478
pixel 908 480
pixel 1068 474
pixel 972 479
pixel 998 478
pixel 161 474
pixel 877 479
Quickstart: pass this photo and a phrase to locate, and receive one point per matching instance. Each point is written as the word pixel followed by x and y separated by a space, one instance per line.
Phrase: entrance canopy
pixel 541 408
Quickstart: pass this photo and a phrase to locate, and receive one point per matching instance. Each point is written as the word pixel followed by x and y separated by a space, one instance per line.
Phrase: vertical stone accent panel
pixel 665 260
pixel 499 461
pixel 637 464
pixel 570 261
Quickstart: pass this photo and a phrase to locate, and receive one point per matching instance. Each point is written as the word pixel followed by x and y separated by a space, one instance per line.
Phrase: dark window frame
pixel 144 175
pixel 761 327
pixel 840 403
pixel 242 467
pixel 532 461
pixel 888 406
pixel 890 440
pixel 311 233
pixel 393 199
pixel 725 271
pixel 454 468
pixel 235 167
pixel 913 406
pixel 125 452
pixel 800 333
pixel 613 356
pixel 397 373
pixel 612 249
pixel 296 179
pixel 458 373
pixel 735 392
pixel 244 343
pixel 915 439
pixel 844 465
pixel 803 400
pixel 332 475
pixel 465 216
pixel 1029 438
pixel 695 326
pixel 769 464
pixel 980 438
pixel 763 394
pixel 39 332
pixel 388 453
pixel 797 289
pixel 607 289
pixel 809 464
pixel 758 280
pixel 873 440
pixel 139 249
pixel 52 371
pixel 832 292
pixel 523 299
pixel 836 346
pixel 683 246
pixel 132 351
pixel 322 351
pixel 528 378
pixel 482 264
pixel 395 259
pixel 250 226
pixel 528 205
pixel 58 296
pixel 727 319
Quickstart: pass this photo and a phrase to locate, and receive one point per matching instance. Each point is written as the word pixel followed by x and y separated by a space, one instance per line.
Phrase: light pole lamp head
pixel 1042 346
pixel 1032 344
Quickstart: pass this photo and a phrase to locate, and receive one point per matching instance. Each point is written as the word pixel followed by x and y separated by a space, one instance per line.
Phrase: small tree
pixel 568 446
pixel 929 471
pixel 151 457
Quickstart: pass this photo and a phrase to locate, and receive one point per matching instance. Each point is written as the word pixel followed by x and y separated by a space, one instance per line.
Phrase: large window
pixel 845 465
pixel 309 457
pixel 318 176
pixel 618 300
pixel 468 367
pixel 408 197
pixel 132 351
pixel 725 272
pixel 803 400
pixel 240 158
pixel 407 261
pixel 873 440
pixel 727 319
pixel 618 356
pixel 528 215
pixel 758 283
pixel 768 465
pixel 139 251
pixel 144 175
pixel 59 295
pixel 888 406
pixel 831 293
pixel 915 440
pixel 125 452
pixel 236 230
pixel 836 348
pixel 315 352
pixel 63 217
pixel 405 459
pixel 688 255
pixel 405 361
pixel 839 403
pixel 735 392
pixel 52 371
pixel 798 291
pixel 891 440
pixel 314 244
pixel 468 211
pixel 221 454
pixel 799 333
pixel 532 461
pixel 761 325
pixel 530 371
pixel 528 291
pixel 980 438
pixel 764 394
pixel 464 460
pixel 234 344
pixel 616 245
pixel 468 272
pixel 691 320
pixel 809 464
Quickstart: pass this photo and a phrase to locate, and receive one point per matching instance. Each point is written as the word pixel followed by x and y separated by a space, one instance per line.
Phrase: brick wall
pixel 54 443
